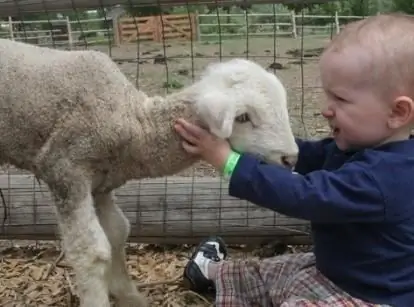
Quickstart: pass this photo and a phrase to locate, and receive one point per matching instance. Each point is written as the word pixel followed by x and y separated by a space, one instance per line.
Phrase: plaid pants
pixel 290 280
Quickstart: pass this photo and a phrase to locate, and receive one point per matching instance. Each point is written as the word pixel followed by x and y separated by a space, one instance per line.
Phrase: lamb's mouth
pixel 265 159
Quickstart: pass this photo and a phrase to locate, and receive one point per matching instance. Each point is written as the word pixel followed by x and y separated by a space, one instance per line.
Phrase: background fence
pixel 163 49
pixel 157 28
pixel 66 32
pixel 176 48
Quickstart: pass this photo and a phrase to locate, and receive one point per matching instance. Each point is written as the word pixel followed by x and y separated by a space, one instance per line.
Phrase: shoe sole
pixel 217 239
pixel 187 283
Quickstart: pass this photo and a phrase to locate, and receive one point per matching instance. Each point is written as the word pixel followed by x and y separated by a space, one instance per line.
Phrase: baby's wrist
pixel 231 163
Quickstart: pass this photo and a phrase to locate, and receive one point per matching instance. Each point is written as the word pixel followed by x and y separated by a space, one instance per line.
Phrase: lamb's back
pixel 41 88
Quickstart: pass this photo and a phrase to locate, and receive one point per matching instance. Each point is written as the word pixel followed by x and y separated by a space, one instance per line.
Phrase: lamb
pixel 76 122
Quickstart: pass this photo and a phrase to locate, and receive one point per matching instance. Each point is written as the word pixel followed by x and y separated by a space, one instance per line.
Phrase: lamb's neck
pixel 161 153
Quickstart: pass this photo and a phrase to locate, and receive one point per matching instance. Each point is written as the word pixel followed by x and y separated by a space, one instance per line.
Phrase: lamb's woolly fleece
pixel 73 119
pixel 79 105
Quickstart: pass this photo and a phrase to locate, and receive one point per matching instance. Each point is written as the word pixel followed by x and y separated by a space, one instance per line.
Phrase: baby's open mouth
pixel 334 131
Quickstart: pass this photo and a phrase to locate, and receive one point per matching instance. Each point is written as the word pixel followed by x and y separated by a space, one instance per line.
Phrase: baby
pixel 356 188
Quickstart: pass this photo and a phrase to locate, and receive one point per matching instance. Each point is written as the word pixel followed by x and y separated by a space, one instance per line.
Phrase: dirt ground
pixel 31 276
pixel 28 275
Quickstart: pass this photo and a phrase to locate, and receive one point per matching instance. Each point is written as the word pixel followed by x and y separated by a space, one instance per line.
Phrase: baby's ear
pixel 218 112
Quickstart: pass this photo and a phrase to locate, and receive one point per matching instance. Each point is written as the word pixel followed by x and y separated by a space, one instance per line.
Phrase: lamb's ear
pixel 218 112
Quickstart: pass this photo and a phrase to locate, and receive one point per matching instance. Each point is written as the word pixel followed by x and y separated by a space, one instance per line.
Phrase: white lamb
pixel 75 121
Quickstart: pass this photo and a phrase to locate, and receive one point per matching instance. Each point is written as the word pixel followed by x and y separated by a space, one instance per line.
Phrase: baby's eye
pixel 334 96
pixel 338 98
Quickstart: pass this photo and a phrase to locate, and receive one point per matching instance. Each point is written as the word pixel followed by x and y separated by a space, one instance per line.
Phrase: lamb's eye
pixel 243 118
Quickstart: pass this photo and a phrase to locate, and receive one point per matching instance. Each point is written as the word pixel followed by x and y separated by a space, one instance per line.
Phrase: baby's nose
pixel 327 113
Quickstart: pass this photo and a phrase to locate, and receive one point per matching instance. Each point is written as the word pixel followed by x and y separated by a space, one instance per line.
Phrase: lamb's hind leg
pixel 84 242
pixel 117 227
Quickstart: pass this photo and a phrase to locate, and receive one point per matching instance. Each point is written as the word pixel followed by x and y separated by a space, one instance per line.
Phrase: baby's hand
pixel 200 142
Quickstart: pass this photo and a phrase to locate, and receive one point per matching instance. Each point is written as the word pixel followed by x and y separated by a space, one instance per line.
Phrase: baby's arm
pixel 349 194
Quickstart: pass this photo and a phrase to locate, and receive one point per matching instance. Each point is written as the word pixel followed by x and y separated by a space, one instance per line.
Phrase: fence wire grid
pixel 164 56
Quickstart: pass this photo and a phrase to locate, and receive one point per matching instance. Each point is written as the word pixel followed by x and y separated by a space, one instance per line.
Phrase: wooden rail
pixel 171 210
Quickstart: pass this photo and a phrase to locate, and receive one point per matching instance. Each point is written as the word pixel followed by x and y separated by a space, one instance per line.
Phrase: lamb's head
pixel 240 101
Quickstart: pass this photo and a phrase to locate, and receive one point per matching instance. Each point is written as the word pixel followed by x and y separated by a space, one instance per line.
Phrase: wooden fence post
pixel 156 24
pixel 338 28
pixel 70 39
pixel 11 28
pixel 197 25
pixel 294 31
pixel 115 31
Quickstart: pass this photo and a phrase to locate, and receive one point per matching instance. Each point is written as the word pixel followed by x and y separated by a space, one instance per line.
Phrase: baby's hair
pixel 389 41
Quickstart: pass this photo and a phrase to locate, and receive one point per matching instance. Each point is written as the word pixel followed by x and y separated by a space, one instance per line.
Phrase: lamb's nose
pixel 289 161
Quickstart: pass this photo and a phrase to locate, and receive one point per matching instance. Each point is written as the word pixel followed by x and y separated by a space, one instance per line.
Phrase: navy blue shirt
pixel 361 208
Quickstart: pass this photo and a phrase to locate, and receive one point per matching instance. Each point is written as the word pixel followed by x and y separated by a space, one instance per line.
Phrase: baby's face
pixel 356 112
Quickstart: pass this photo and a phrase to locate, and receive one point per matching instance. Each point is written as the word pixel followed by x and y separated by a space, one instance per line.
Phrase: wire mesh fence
pixel 162 49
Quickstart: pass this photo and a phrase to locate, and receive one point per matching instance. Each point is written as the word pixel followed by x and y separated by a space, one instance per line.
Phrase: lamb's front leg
pixel 117 227
pixel 84 242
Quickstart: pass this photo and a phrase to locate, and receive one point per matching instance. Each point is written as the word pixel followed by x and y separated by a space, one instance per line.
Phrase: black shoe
pixel 194 279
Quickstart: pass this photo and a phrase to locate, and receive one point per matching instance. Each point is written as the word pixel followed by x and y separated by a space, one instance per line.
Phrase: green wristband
pixel 231 163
